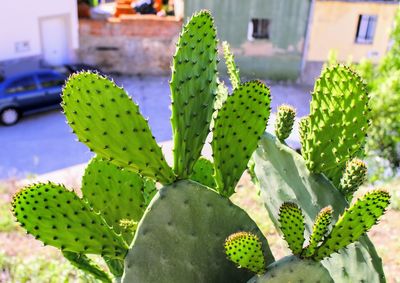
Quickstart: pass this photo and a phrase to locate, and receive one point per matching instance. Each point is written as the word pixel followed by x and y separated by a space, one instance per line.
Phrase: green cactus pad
pixel 337 124
pixel 239 125
pixel 105 118
pixel 354 176
pixel 245 249
pixel 181 238
pixel 284 177
pixel 355 221
pixel 117 194
pixel 84 263
pixel 319 231
pixel 59 218
pixel 233 71
pixel 291 269
pixel 203 172
pixel 291 220
pixel 284 122
pixel 193 88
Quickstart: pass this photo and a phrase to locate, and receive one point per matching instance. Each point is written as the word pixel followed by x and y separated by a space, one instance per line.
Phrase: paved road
pixel 44 142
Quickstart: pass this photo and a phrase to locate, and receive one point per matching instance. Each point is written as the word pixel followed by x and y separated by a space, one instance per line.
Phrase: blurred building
pixel 353 29
pixel 286 39
pixel 41 32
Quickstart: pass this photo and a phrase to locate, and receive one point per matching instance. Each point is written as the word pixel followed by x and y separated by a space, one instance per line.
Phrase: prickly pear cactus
pixel 59 218
pixel 353 177
pixel 181 237
pixel 194 86
pixel 284 122
pixel 245 249
pixel 336 127
pixel 283 177
pixel 295 270
pixel 238 127
pixel 291 221
pixel 105 118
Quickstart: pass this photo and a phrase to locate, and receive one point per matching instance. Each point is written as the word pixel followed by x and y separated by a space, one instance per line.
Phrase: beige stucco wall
pixel 334 26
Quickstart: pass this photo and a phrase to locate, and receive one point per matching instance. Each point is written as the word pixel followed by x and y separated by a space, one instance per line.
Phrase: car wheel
pixel 9 116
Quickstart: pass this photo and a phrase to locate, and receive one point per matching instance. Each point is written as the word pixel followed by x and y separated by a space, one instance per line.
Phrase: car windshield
pixel 50 80
pixel 20 85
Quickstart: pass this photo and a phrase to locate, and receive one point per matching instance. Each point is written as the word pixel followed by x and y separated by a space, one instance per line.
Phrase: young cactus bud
pixel 354 176
pixel 291 220
pixel 320 229
pixel 245 249
pixel 284 121
pixel 233 71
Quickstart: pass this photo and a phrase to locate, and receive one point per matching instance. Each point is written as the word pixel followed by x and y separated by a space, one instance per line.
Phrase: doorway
pixel 55 39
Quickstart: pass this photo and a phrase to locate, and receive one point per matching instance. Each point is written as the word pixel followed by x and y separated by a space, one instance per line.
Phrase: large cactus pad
pixel 284 177
pixel 193 89
pixel 239 125
pixel 294 270
pixel 181 238
pixel 58 217
pixel 338 122
pixel 106 119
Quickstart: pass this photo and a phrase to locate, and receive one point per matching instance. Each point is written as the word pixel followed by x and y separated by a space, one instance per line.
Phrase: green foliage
pixel 336 128
pixel 105 118
pixel 291 220
pixel 181 236
pixel 193 90
pixel 239 125
pixel 284 121
pixel 245 249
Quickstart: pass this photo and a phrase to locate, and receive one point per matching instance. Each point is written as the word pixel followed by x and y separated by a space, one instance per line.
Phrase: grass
pixel 24 259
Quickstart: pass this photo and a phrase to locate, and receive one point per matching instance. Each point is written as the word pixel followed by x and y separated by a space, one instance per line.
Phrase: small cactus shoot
pixel 245 249
pixel 284 122
pixel 291 220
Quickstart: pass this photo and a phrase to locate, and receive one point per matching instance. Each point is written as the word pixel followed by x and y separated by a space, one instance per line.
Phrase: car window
pixel 50 80
pixel 20 85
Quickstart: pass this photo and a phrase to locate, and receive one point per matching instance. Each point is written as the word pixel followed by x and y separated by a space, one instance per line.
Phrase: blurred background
pixel 283 42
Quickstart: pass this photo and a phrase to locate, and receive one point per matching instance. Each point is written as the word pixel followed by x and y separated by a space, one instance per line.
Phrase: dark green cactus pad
pixel 319 231
pixel 353 177
pixel 85 264
pixel 117 194
pixel 239 125
pixel 284 122
pixel 233 71
pixel 337 124
pixel 245 249
pixel 203 173
pixel 291 269
pixel 193 88
pixel 291 221
pixel 106 119
pixel 59 218
pixel 181 238
pixel 284 177
pixel 354 222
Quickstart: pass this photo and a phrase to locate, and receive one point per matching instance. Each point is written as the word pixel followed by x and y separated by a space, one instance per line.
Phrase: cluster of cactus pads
pixel 177 233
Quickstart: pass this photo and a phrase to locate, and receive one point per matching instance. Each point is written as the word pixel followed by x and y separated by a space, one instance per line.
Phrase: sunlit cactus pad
pixel 181 238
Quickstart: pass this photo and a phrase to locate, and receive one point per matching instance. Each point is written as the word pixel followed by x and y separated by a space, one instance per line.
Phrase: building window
pixel 366 28
pixel 259 29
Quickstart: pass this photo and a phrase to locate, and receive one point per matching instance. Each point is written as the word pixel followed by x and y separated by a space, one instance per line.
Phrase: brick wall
pixel 131 44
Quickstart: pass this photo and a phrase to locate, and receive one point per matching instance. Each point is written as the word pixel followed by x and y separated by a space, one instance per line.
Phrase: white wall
pixel 19 23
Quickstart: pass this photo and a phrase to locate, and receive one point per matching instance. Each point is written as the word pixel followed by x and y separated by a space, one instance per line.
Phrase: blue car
pixel 29 93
